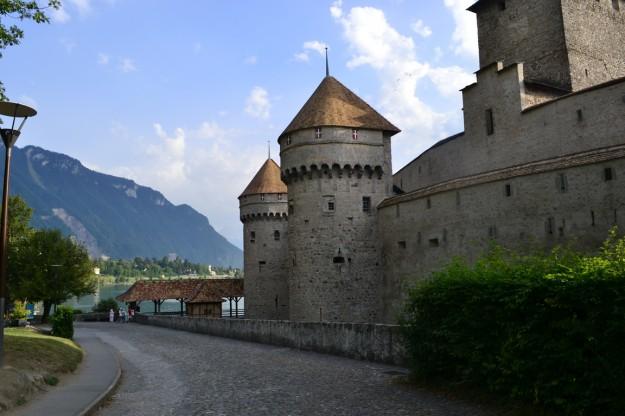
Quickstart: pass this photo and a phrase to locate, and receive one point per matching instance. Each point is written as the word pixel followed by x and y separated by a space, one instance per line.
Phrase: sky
pixel 184 96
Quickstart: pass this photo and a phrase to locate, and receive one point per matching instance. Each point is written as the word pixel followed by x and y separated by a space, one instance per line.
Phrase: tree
pixel 19 230
pixel 53 268
pixel 20 10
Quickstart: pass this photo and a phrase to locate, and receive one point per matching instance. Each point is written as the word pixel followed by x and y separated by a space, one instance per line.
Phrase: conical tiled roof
pixel 333 104
pixel 266 181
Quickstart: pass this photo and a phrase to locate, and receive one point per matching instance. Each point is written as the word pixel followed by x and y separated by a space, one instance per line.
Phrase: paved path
pixel 81 391
pixel 167 372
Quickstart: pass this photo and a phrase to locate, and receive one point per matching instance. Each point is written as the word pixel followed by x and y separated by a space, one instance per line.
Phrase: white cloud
pixel 375 43
pixel 60 15
pixel 450 80
pixel 251 60
pixel 315 45
pixel 301 57
pixel 83 6
pixel 103 59
pixel 421 29
pixel 257 104
pixel 127 65
pixel 464 37
pixel 207 159
pixel 336 9
pixel 170 152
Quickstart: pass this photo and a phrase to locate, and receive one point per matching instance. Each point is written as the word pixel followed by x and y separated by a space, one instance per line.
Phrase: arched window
pixel 276 235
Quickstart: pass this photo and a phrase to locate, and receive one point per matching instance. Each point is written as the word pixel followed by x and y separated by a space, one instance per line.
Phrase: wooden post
pixel 181 308
pixel 230 302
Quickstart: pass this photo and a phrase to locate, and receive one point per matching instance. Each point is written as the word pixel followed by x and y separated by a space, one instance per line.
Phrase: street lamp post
pixel 9 136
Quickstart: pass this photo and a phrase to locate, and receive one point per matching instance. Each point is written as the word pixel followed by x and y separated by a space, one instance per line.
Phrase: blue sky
pixel 183 96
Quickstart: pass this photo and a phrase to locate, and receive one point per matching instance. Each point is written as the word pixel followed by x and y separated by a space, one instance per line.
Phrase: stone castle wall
pixel 334 255
pixel 574 123
pixel 567 199
pixel 265 243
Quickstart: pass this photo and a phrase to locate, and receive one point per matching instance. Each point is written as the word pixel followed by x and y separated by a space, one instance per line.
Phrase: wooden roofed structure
pixel 202 296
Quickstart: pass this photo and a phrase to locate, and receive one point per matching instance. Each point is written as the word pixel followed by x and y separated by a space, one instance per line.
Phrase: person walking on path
pixel 122 315
pixel 111 315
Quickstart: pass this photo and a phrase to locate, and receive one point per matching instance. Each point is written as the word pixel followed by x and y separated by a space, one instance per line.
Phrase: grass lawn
pixel 33 360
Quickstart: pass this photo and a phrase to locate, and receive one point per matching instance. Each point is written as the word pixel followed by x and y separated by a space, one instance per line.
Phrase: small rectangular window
pixel 401 244
pixel 490 122
pixel 291 208
pixel 457 198
pixel 502 5
pixel 318 133
pixel 279 197
pixel 492 231
pixel 592 218
pixel 434 242
pixel 550 225
pixel 329 204
pixel 262 197
pixel 608 174
pixel 562 182
pixel 366 203
pixel 252 237
pixel 288 140
pixel 260 265
pixel 428 203
pixel 276 235
pixel 508 189
pixel 580 115
pixel 354 134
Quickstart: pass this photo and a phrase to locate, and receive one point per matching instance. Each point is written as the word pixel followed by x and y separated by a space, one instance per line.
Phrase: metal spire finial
pixel 327 66
pixel 268 149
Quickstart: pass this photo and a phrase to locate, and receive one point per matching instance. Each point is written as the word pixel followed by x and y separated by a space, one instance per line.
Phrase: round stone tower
pixel 263 207
pixel 336 162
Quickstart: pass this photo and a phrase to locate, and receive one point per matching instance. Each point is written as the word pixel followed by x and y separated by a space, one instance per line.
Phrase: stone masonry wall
pixel 334 253
pixel 574 123
pixel 373 342
pixel 595 36
pixel 525 31
pixel 568 199
pixel 265 243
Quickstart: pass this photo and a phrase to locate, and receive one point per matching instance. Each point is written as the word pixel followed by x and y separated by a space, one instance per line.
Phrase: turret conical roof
pixel 266 181
pixel 333 104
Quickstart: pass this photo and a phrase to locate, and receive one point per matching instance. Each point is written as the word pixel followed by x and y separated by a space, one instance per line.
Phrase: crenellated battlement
pixel 335 170
pixel 264 216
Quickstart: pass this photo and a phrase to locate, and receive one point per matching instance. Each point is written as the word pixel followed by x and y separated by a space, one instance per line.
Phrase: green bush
pixel 106 305
pixel 63 322
pixel 548 329
pixel 76 311
pixel 19 310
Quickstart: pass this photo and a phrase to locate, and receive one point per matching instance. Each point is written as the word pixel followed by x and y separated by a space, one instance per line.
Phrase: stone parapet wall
pixel 372 342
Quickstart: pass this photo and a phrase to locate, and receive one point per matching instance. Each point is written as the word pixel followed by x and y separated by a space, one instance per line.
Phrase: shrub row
pixel 548 329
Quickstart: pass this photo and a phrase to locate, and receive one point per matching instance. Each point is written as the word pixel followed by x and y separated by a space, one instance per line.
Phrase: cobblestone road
pixel 167 372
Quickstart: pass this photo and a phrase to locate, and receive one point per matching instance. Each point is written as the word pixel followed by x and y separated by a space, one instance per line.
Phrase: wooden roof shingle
pixel 333 104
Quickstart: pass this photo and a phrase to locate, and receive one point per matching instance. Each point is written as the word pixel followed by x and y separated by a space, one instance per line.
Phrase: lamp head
pixel 14 111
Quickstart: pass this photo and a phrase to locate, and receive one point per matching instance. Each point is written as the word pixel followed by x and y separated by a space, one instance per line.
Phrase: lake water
pixel 106 291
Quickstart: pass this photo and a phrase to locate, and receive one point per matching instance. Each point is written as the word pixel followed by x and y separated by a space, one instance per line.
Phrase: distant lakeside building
pixel 332 235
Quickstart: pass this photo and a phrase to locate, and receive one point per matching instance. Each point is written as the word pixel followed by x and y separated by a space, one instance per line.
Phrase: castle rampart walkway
pixel 167 372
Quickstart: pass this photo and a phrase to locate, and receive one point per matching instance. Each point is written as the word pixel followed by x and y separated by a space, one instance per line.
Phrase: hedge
pixel 547 329
pixel 63 322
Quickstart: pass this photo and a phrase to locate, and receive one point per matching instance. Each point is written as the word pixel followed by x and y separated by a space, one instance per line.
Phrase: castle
pixel 333 235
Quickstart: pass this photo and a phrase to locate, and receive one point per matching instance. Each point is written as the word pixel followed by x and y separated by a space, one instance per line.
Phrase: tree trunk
pixel 46 311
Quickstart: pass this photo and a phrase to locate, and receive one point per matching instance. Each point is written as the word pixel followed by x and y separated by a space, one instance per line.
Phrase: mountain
pixel 113 216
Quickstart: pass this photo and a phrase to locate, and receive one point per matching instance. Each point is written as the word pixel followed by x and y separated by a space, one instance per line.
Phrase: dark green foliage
pixel 52 268
pixel 106 305
pixel 544 329
pixel 63 322
pixel 143 267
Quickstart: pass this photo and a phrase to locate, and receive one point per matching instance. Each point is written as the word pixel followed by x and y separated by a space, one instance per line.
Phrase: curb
pixel 95 404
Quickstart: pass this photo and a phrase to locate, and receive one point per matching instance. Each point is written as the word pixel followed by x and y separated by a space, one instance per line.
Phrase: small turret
pixel 263 208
